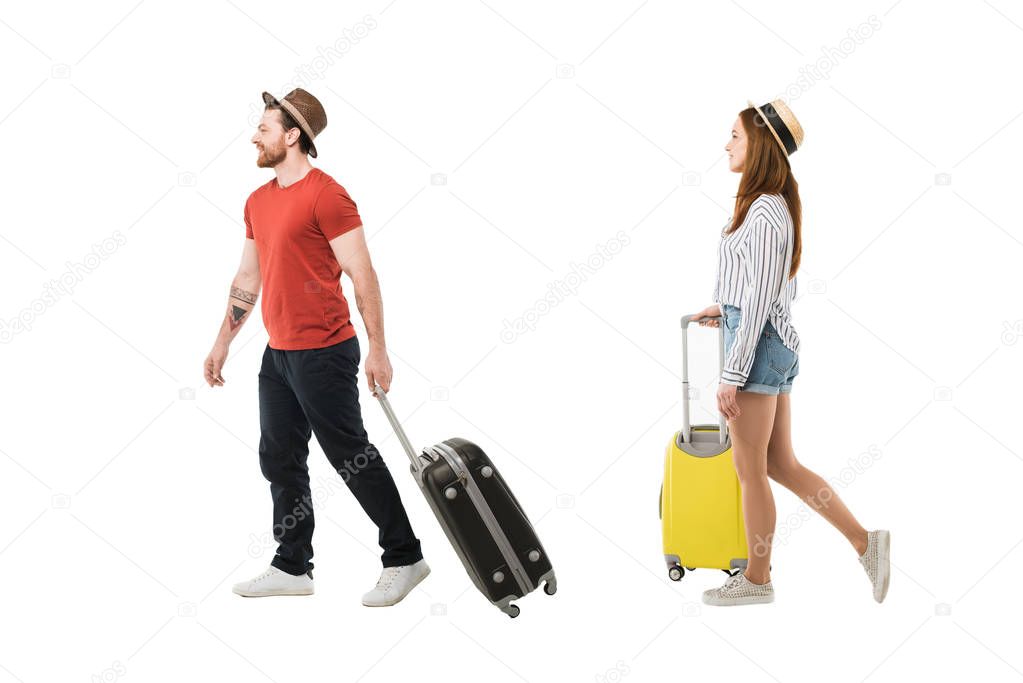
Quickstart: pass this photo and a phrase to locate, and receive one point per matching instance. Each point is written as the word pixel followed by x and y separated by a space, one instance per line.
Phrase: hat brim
pixel 270 99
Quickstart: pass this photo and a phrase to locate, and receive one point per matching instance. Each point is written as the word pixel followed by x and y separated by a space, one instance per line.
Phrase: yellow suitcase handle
pixel 722 422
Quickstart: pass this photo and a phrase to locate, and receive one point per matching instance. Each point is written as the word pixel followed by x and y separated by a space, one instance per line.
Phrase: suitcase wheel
pixel 550 588
pixel 513 611
pixel 676 573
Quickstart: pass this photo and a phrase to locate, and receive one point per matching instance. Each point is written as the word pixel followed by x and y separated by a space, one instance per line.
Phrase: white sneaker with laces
pixel 738 590
pixel 876 561
pixel 395 583
pixel 275 582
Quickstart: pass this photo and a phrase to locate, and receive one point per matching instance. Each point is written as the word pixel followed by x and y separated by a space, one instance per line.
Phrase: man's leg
pixel 283 451
pixel 326 383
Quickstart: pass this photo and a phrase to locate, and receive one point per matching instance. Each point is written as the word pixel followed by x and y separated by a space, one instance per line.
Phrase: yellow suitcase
pixel 701 501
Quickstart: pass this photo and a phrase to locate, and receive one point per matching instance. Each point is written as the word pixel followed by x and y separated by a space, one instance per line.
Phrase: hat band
pixel 298 117
pixel 779 127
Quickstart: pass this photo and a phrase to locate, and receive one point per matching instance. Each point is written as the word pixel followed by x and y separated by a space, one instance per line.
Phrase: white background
pixel 130 505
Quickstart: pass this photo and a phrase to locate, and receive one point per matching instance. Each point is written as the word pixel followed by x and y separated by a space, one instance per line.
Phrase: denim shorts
pixel 774 364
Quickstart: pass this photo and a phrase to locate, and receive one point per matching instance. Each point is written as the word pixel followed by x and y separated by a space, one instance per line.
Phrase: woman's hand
pixel 711 311
pixel 727 405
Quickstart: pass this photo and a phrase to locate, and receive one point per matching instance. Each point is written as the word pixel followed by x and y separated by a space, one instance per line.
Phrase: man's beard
pixel 271 156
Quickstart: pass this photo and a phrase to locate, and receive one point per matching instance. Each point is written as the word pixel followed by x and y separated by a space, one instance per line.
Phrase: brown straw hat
pixel 306 110
pixel 782 123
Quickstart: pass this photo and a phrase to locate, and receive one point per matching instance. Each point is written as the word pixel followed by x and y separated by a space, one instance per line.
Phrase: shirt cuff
pixel 733 377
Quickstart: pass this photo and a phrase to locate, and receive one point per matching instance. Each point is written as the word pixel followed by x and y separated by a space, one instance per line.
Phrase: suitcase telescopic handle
pixel 413 457
pixel 722 422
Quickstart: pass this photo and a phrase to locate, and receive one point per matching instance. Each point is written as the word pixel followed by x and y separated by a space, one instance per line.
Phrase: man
pixel 302 230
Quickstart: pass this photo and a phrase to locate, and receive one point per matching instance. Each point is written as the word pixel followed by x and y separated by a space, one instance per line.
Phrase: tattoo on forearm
pixel 236 316
pixel 247 297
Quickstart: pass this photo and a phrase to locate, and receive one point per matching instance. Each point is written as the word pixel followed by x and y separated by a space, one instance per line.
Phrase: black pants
pixel 318 389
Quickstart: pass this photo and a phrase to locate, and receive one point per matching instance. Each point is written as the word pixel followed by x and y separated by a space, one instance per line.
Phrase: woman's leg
pixel 783 467
pixel 751 433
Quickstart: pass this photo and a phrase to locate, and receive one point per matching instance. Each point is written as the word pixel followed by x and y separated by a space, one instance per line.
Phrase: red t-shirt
pixel 303 307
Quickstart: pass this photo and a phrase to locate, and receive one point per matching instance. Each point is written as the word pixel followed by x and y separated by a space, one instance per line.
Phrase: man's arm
pixel 352 253
pixel 241 300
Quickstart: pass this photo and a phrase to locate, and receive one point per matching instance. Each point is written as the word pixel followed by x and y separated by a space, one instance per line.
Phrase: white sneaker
pixel 275 582
pixel 876 561
pixel 395 583
pixel 738 590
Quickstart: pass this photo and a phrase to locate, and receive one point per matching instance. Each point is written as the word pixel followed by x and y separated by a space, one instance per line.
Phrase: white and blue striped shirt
pixel 753 267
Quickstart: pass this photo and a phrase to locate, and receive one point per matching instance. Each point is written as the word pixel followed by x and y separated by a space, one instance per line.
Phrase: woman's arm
pixel 763 266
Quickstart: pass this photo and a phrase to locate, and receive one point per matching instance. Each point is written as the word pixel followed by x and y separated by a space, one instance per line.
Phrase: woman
pixel 757 262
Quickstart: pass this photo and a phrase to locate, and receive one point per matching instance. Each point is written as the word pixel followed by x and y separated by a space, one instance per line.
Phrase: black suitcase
pixel 480 516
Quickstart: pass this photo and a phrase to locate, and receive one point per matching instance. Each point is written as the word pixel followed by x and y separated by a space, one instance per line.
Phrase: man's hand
pixel 214 364
pixel 378 369
pixel 727 404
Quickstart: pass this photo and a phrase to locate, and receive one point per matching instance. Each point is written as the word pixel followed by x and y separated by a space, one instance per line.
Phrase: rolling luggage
pixel 480 516
pixel 701 502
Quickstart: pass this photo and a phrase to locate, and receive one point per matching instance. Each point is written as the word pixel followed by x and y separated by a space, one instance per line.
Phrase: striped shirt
pixel 753 266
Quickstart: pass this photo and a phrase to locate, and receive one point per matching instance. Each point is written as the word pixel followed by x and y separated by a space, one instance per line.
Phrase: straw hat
pixel 305 109
pixel 782 123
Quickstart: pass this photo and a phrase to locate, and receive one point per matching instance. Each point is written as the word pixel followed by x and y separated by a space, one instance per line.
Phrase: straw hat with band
pixel 782 123
pixel 305 109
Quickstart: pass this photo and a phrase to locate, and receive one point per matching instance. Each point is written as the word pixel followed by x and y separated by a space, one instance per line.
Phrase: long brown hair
pixel 766 171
